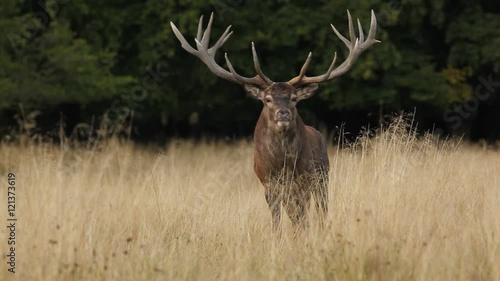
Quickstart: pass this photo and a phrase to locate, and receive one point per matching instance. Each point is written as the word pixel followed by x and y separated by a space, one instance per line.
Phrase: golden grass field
pixel 401 208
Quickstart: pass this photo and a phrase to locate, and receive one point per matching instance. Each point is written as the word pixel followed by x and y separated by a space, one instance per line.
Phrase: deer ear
pixel 307 91
pixel 253 91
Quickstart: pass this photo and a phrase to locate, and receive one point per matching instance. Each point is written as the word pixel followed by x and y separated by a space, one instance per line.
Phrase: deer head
pixel 280 98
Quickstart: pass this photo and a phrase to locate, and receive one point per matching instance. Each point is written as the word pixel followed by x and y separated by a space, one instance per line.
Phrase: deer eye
pixel 294 99
pixel 268 99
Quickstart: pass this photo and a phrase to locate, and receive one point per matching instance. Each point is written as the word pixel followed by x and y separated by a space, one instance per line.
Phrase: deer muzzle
pixel 282 117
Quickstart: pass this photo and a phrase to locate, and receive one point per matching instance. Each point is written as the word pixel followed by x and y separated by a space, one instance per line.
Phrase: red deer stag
pixel 290 158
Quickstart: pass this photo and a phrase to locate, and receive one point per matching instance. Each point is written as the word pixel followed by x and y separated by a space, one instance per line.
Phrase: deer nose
pixel 283 115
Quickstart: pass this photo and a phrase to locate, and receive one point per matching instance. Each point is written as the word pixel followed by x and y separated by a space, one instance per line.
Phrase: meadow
pixel 402 207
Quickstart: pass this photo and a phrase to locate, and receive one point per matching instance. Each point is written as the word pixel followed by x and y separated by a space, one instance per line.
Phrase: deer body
pixel 292 164
pixel 290 158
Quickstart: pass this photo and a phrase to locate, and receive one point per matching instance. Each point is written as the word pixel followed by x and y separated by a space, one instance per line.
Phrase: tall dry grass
pixel 401 208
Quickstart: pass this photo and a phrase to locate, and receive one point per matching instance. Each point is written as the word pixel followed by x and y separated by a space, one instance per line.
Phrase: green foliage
pixel 94 52
pixel 50 65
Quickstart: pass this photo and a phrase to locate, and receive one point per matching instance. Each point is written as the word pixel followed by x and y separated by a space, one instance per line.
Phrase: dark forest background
pixel 65 63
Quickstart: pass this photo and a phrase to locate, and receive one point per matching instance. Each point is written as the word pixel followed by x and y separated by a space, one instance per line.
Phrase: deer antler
pixel 207 55
pixel 356 47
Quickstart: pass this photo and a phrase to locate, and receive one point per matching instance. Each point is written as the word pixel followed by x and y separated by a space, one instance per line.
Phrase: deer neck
pixel 279 144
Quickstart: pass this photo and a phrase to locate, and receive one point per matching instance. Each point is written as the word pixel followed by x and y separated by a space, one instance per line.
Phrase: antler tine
pixel 200 28
pixel 303 70
pixel 206 34
pixel 330 69
pixel 347 64
pixel 361 34
pixel 351 27
pixel 356 47
pixel 184 44
pixel 257 66
pixel 207 55
pixel 370 40
pixel 241 79
pixel 225 36
pixel 341 37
